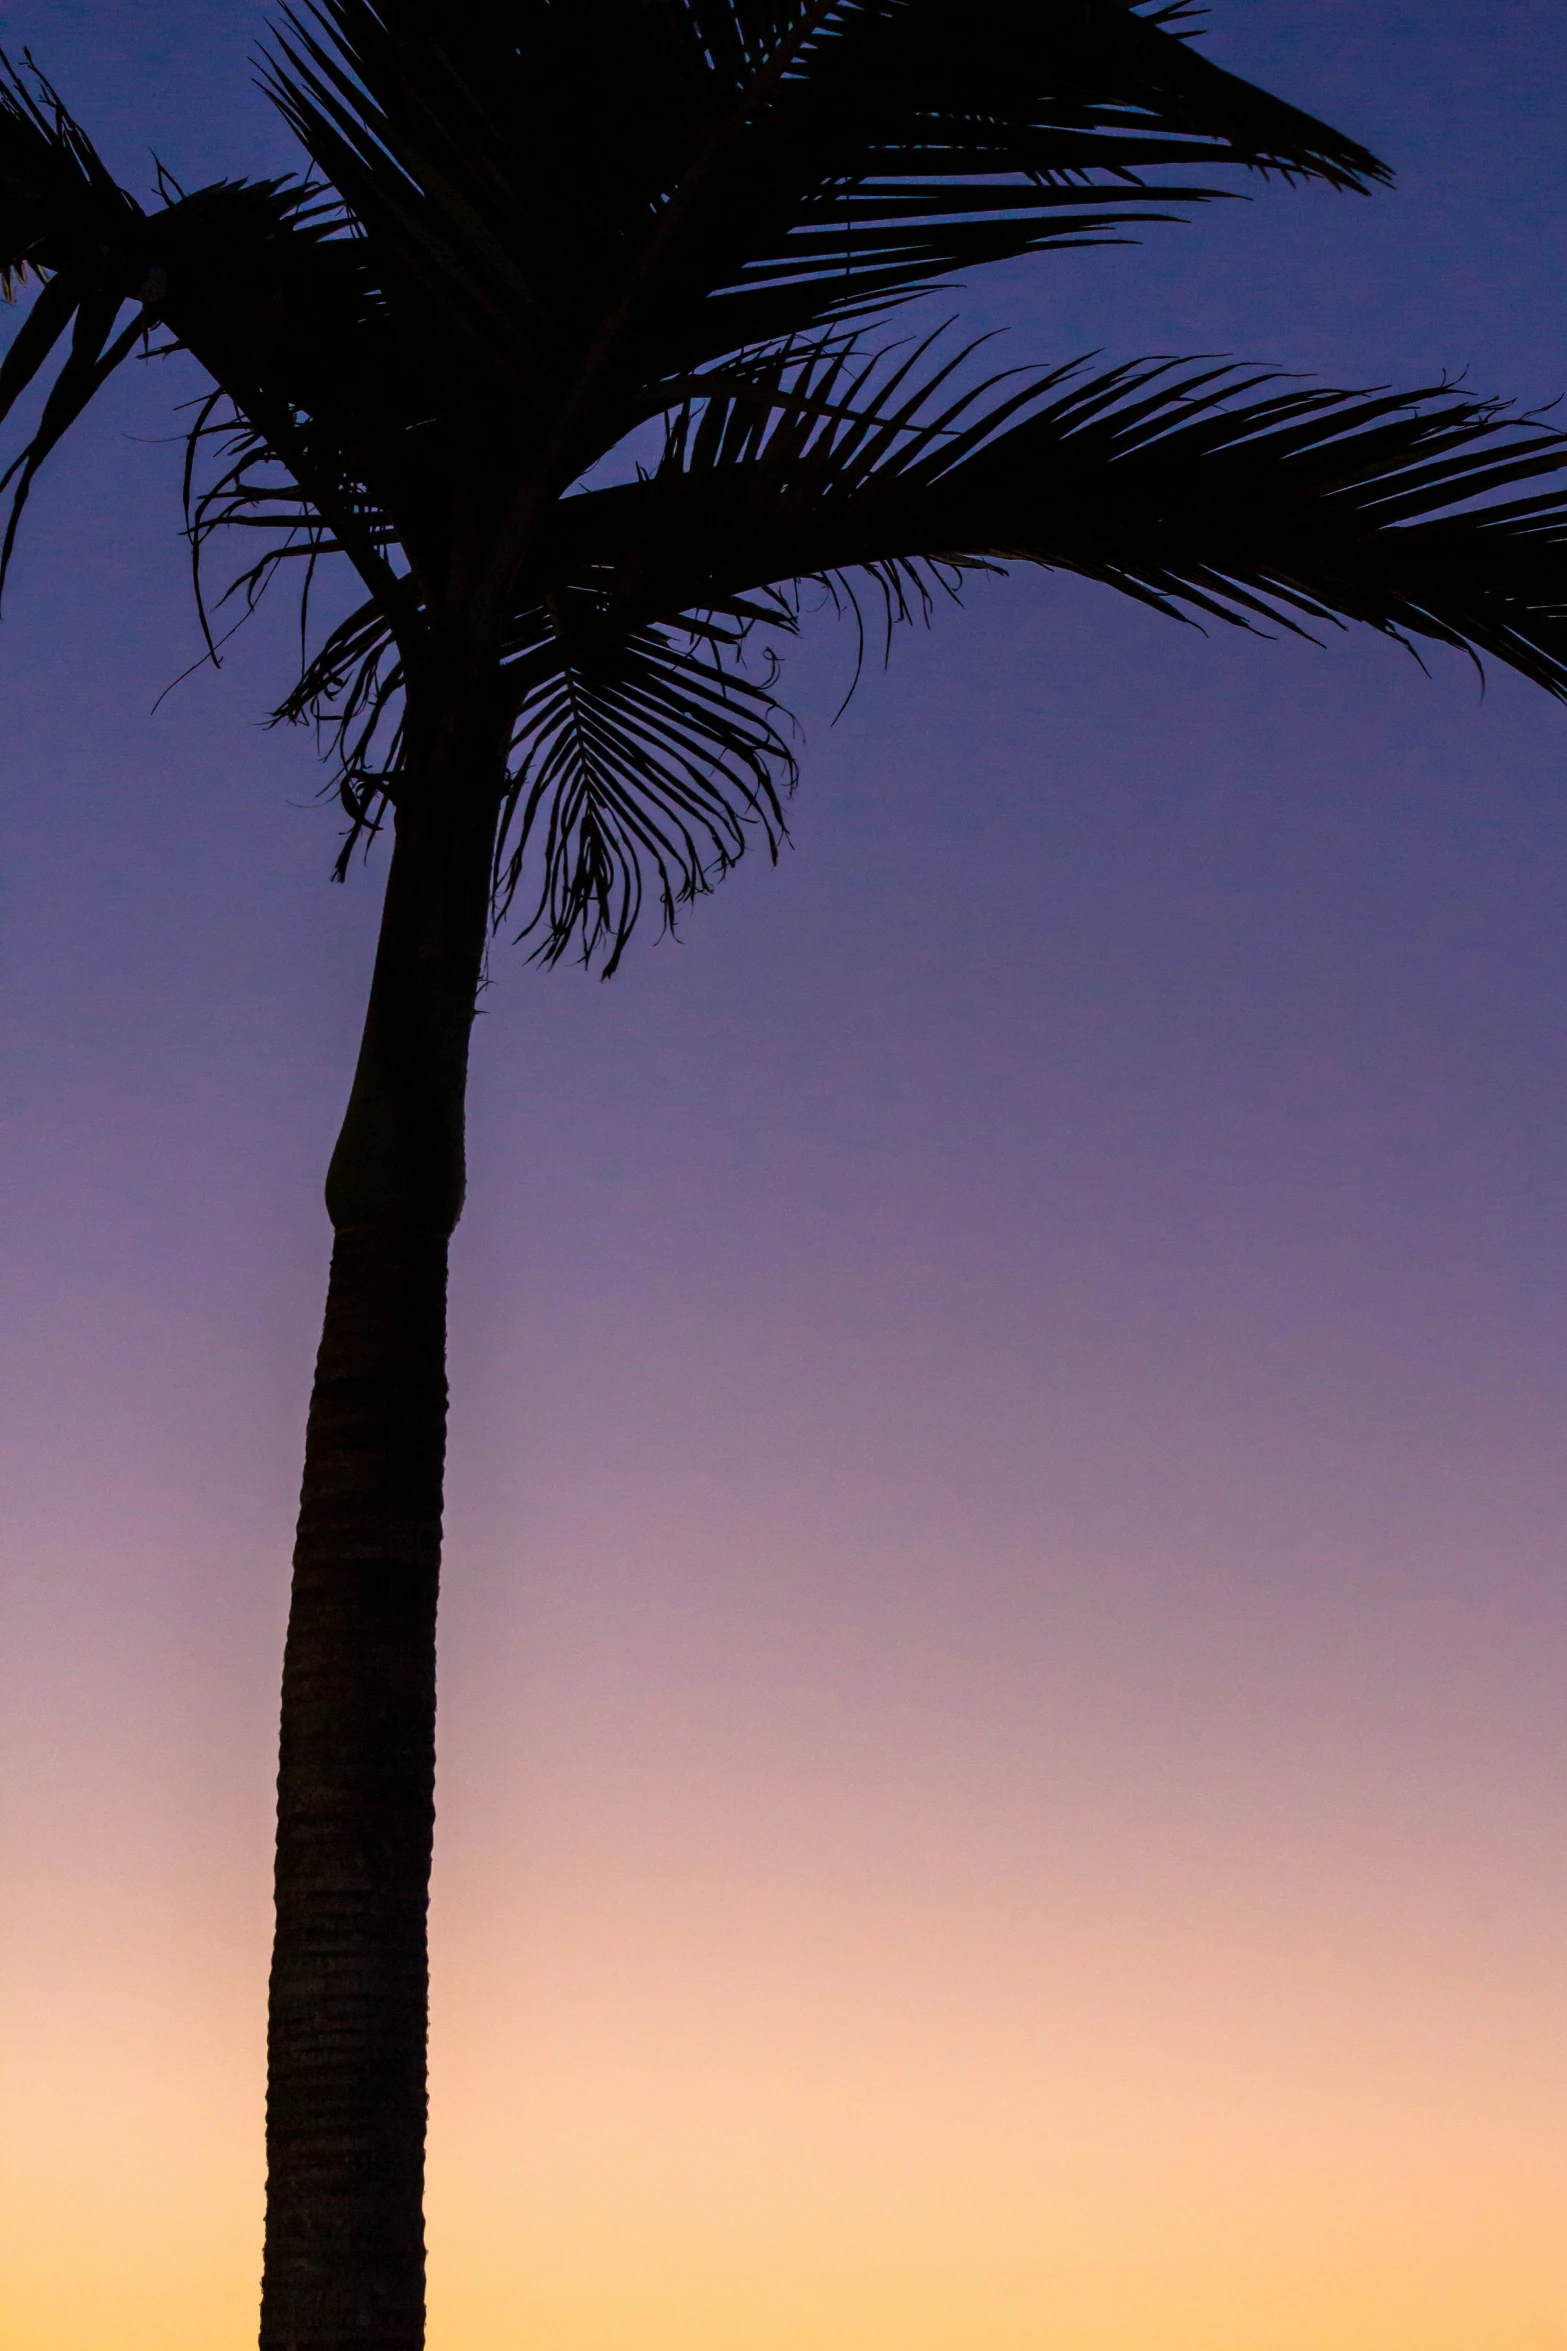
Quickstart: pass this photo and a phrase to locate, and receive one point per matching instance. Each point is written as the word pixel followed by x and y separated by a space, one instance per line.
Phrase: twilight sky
pixel 1003 1724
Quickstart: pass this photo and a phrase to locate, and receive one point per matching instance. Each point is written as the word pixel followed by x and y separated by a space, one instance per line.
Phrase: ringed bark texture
pixel 348 2018
pixel 356 1808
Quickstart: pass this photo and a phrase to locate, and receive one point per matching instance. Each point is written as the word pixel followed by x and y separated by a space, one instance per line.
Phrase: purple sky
pixel 1007 1476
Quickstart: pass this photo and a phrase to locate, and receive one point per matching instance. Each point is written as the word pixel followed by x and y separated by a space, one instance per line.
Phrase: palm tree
pixel 536 241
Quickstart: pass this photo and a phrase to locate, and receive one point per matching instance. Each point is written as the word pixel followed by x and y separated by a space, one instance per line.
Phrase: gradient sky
pixel 1002 1706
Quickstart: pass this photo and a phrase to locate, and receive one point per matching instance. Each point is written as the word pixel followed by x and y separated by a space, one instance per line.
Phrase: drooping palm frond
pixel 65 224
pixel 641 742
pixel 541 225
pixel 255 278
pixel 537 219
pixel 328 414
pixel 643 760
pixel 1196 488
pixel 55 191
pixel 579 204
pixel 643 756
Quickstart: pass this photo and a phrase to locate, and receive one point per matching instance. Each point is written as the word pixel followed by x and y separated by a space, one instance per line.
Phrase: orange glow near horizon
pixel 864 2127
pixel 916 2051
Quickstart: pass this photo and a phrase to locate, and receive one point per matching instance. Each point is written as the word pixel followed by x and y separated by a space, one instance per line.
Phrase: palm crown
pixel 530 230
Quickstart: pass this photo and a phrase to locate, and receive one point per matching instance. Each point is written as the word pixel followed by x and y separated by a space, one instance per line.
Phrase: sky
pixel 1002 1694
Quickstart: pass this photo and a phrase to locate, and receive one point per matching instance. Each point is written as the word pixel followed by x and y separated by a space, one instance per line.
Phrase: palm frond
pixel 56 193
pixel 644 761
pixel 327 407
pixel 255 278
pixel 646 755
pixel 65 224
pixel 540 226
pixel 579 204
pixel 1196 488
pixel 647 758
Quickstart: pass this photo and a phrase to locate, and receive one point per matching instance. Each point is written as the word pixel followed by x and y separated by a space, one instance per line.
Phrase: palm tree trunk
pixel 347 2028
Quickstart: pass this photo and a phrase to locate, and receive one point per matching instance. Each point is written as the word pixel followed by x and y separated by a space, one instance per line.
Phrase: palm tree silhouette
pixel 535 242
